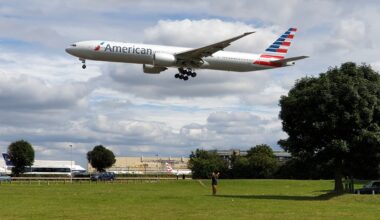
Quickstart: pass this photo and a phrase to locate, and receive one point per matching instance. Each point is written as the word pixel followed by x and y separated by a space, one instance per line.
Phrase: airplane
pixel 177 172
pixel 158 58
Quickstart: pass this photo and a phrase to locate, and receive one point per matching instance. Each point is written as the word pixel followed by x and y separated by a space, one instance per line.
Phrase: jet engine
pixel 164 59
pixel 150 69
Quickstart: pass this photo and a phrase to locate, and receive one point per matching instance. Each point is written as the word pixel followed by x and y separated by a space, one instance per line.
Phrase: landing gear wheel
pixel 83 63
pixel 185 74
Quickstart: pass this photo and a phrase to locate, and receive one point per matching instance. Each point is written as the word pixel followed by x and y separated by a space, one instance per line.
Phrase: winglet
pixel 237 37
pixel 247 33
pixel 198 53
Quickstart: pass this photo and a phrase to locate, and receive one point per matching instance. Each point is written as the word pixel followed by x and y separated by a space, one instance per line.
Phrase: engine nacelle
pixel 153 69
pixel 164 59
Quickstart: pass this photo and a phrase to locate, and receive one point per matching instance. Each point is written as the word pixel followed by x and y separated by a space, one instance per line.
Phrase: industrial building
pixel 281 156
pixel 145 165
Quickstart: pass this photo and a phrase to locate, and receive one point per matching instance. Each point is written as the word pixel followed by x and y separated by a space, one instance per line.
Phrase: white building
pixel 43 166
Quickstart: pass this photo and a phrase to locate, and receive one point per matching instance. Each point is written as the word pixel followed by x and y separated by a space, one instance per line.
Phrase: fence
pixel 68 180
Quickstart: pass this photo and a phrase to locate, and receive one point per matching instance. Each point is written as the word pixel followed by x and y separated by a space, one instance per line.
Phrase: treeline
pixel 21 155
pixel 333 126
pixel 261 163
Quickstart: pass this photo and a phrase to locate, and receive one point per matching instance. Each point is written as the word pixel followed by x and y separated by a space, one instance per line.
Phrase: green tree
pixel 262 162
pixel 101 158
pixel 335 117
pixel 21 154
pixel 202 163
pixel 312 168
pixel 240 168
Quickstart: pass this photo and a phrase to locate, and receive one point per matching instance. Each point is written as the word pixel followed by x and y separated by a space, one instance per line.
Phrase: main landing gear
pixel 83 63
pixel 185 73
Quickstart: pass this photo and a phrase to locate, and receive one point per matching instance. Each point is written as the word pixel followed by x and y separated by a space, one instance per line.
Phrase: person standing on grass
pixel 214 182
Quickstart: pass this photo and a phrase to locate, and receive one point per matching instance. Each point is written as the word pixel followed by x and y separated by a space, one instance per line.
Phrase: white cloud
pixel 233 129
pixel 197 33
pixel 348 35
pixel 49 100
pixel 25 93
pixel 52 69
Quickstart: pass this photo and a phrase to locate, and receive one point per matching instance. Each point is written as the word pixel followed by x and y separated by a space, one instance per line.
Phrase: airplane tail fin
pixel 279 48
pixel 7 159
pixel 168 167
pixel 274 55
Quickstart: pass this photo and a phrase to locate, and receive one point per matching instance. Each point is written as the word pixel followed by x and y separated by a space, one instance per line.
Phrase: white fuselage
pixel 181 172
pixel 177 172
pixel 144 54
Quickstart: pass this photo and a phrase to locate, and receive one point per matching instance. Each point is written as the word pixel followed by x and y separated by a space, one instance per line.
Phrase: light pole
pixel 71 163
pixel 157 166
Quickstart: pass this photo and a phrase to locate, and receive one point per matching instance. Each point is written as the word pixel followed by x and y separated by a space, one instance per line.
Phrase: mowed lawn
pixel 188 199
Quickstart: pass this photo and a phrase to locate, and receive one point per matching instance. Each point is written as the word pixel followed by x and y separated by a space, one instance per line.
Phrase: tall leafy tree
pixel 240 167
pixel 311 168
pixel 21 154
pixel 101 158
pixel 262 161
pixel 202 163
pixel 335 117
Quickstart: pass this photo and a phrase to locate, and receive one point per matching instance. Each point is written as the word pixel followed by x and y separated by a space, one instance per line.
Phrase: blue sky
pixel 47 99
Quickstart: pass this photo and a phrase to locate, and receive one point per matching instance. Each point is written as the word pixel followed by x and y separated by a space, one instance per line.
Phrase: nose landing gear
pixel 184 74
pixel 83 63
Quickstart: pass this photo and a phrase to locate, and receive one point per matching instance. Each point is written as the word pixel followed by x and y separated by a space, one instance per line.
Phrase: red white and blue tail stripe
pixel 281 45
pixel 277 50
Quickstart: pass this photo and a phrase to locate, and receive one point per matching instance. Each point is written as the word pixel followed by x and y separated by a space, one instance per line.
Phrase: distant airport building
pixel 41 167
pixel 156 164
pixel 145 165
pixel 281 156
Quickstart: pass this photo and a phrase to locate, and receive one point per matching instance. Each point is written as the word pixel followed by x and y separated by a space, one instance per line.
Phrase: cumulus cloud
pixel 197 33
pixel 232 129
pixel 206 84
pixel 348 35
pixel 25 93
pixel 46 98
pixel 222 129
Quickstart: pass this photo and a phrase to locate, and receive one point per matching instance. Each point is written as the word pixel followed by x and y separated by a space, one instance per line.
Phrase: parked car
pixel 103 176
pixel 5 178
pixel 369 188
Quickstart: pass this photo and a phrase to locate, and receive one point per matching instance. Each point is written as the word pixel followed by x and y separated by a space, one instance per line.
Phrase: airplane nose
pixel 72 49
pixel 69 50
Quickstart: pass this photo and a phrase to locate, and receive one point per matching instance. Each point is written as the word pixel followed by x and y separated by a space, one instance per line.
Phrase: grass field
pixel 189 199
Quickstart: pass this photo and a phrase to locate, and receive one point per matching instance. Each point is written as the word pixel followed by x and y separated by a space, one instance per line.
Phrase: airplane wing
pixel 198 53
pixel 290 59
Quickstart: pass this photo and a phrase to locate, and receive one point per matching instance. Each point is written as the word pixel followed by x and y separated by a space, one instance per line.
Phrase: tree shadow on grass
pixel 325 191
pixel 327 196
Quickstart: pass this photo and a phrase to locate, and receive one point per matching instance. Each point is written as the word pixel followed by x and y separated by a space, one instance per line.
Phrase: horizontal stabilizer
pixel 290 59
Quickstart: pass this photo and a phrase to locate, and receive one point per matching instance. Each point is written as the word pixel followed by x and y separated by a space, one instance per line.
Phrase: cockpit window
pixel 73 45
